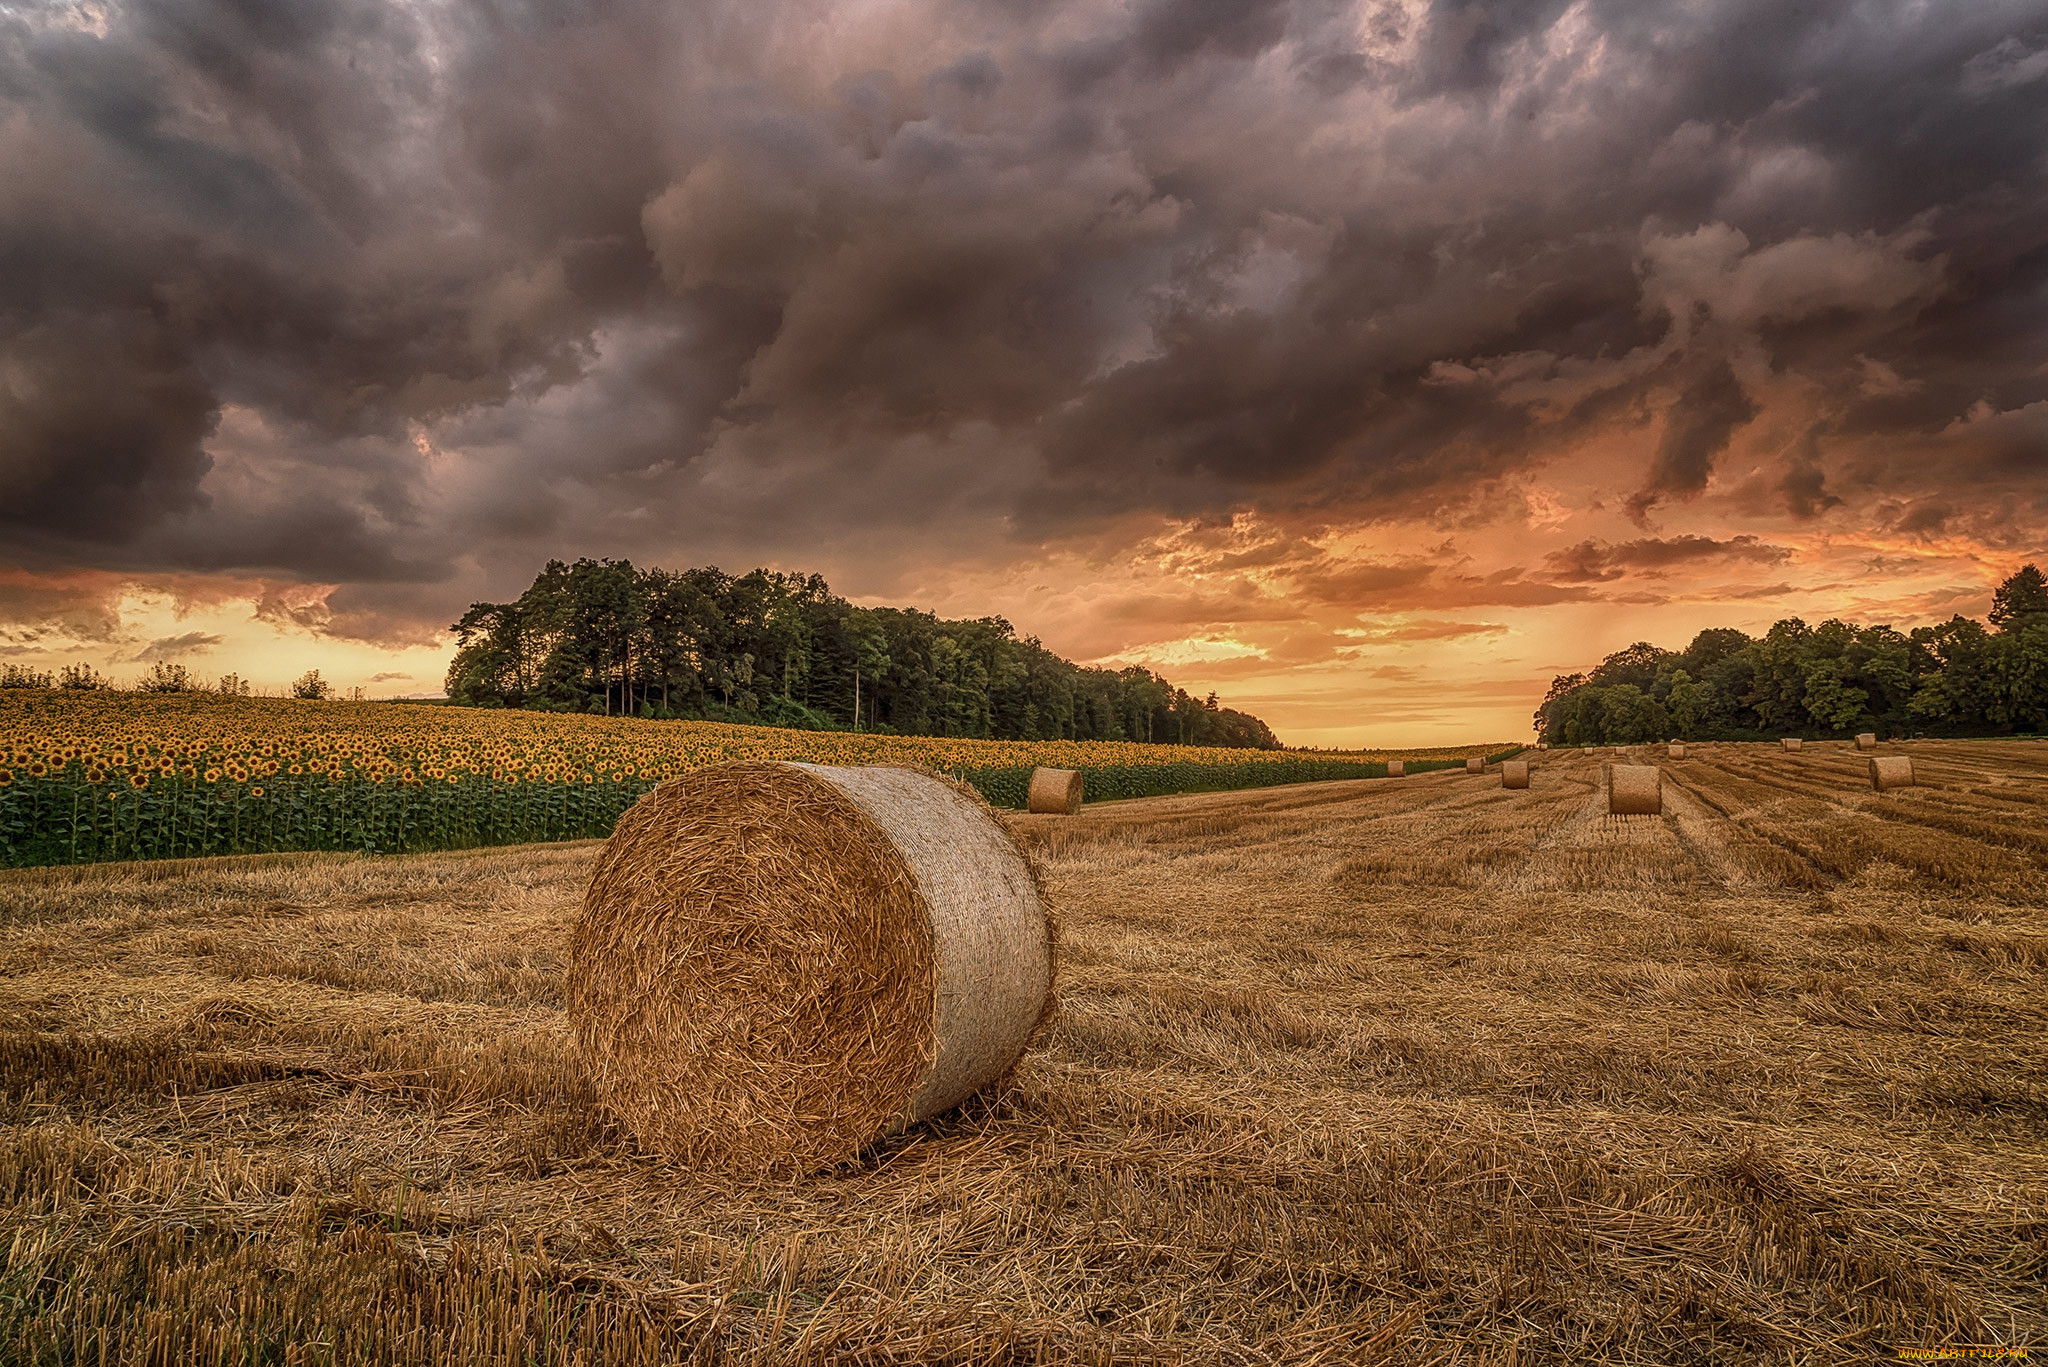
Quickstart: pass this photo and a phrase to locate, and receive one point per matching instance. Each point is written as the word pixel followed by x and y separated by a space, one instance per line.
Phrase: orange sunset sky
pixel 1367 364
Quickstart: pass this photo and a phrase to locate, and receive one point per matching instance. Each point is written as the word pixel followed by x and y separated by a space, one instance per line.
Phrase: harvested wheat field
pixel 1418 1071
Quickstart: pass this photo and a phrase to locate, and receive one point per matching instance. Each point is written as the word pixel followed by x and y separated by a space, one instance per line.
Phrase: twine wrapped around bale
pixel 1396 768
pixel 1514 773
pixel 1634 790
pixel 1891 771
pixel 1676 750
pixel 1791 742
pixel 1056 791
pixel 1866 740
pixel 1475 765
pixel 778 964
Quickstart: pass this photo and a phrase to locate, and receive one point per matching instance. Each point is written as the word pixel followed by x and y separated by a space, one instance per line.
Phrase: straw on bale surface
pixel 778 964
pixel 1891 771
pixel 1791 742
pixel 1635 790
pixel 1396 768
pixel 1055 791
pixel 1866 740
pixel 1475 765
pixel 1676 750
pixel 1514 773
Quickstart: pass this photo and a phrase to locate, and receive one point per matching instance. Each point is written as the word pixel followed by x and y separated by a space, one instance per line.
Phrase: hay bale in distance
pixel 778 964
pixel 1396 768
pixel 1790 742
pixel 1514 773
pixel 1891 771
pixel 1475 765
pixel 1054 790
pixel 1866 740
pixel 1676 750
pixel 1635 790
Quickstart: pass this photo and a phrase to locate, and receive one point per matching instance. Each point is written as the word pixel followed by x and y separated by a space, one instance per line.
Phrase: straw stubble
pixel 778 964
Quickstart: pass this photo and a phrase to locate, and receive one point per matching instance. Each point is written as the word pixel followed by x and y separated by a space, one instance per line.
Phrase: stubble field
pixel 1413 1070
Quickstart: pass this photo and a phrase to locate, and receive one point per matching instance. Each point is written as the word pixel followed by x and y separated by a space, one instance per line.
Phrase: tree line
pixel 163 677
pixel 782 649
pixel 1960 678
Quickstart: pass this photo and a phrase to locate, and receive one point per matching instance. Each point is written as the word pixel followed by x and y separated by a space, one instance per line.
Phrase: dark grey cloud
pixel 1599 561
pixel 179 646
pixel 406 298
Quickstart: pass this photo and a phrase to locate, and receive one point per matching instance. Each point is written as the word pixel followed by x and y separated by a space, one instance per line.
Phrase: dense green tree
pixel 2020 600
pixel 782 649
pixel 1957 678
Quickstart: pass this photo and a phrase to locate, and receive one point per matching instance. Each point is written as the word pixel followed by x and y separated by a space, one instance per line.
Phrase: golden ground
pixel 1417 1070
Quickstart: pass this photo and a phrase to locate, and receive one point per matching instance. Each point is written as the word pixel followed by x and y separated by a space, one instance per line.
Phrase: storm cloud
pixel 405 298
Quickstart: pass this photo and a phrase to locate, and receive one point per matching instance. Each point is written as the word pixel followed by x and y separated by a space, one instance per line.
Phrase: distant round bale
pixel 1054 790
pixel 1475 765
pixel 1514 773
pixel 1891 771
pixel 1396 768
pixel 1635 790
pixel 1790 742
pixel 1866 740
pixel 1676 750
pixel 778 964
pixel 1542 745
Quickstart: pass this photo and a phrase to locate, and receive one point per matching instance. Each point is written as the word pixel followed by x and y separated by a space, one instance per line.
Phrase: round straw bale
pixel 1396 768
pixel 1514 773
pixel 1866 740
pixel 1676 750
pixel 1542 745
pixel 778 964
pixel 1055 790
pixel 1790 742
pixel 1475 765
pixel 1891 771
pixel 1635 790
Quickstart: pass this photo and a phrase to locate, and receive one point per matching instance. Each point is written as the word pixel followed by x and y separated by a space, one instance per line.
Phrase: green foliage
pixel 1008 787
pixel 783 649
pixel 1957 678
pixel 311 687
pixel 64 818
pixel 2020 600
pixel 164 677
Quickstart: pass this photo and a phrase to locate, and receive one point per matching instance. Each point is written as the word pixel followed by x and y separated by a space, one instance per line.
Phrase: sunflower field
pixel 86 777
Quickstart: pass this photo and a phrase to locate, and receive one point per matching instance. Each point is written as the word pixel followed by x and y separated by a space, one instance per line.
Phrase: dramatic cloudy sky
pixel 1365 362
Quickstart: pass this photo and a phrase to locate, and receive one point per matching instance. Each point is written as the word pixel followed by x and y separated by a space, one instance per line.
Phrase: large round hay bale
pixel 1866 740
pixel 1891 771
pixel 1790 742
pixel 1514 773
pixel 1542 745
pixel 1676 750
pixel 1396 768
pixel 778 964
pixel 1054 790
pixel 1475 765
pixel 1635 790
